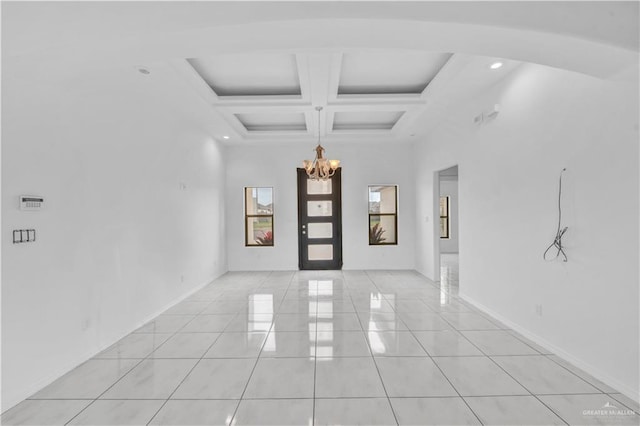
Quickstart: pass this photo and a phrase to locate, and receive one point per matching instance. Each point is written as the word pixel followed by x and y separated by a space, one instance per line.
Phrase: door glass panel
pixel 320 230
pixel 320 252
pixel 318 186
pixel 319 208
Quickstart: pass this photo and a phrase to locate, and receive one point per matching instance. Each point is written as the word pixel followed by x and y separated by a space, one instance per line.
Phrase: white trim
pixel 572 359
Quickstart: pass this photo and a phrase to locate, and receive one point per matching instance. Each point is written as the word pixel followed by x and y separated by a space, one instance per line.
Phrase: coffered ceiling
pixel 253 72
pixel 364 93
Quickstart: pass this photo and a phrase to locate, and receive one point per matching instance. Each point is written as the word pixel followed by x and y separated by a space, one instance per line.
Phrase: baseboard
pixel 41 384
pixel 423 275
pixel 588 368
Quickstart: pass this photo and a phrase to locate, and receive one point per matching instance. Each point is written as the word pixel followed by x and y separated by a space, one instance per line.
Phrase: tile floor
pixel 319 348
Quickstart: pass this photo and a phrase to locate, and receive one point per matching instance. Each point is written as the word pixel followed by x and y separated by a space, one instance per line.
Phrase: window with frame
pixel 258 217
pixel 383 215
pixel 444 217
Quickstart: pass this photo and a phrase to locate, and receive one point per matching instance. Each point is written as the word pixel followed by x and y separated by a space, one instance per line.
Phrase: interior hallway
pixel 314 348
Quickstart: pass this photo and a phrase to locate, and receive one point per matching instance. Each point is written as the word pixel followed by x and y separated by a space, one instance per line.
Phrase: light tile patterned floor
pixel 316 348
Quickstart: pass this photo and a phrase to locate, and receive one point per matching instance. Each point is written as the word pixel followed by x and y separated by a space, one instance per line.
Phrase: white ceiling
pixel 267 121
pixel 255 74
pixel 366 120
pixel 389 92
pixel 391 72
pixel 373 93
pixel 383 71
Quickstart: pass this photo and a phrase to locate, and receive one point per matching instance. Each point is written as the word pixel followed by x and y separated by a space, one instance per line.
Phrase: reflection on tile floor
pixel 330 347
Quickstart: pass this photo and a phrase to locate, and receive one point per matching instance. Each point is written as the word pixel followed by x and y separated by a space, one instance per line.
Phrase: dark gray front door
pixel 319 222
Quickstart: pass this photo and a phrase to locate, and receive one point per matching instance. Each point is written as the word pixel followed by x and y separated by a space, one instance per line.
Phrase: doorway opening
pixel 447 232
pixel 319 222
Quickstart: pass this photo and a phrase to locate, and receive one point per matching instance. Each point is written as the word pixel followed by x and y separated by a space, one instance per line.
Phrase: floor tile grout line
pixel 393 411
pixel 235 413
pixel 334 397
pixel 518 382
pixel 315 368
pixel 549 357
pixel 610 395
pixel 538 354
pixel 448 380
pixel 132 368
pixel 461 332
pixel 397 311
pixel 600 391
pixel 499 366
pixel 532 394
pixel 188 300
pixel 510 330
pixel 444 375
pixel 184 378
pixel 196 364
pixel 481 351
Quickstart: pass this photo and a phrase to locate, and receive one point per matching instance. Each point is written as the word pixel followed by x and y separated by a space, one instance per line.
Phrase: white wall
pixel 508 178
pixel 449 188
pixel 362 165
pixel 108 152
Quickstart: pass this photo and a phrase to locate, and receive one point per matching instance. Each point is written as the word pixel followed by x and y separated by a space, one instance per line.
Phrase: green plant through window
pixel 383 215
pixel 375 234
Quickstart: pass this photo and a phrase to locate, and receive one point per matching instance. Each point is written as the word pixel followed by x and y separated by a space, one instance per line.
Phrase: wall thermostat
pixel 31 202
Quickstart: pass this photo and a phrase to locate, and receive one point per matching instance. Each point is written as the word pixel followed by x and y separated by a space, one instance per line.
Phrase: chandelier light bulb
pixel 320 168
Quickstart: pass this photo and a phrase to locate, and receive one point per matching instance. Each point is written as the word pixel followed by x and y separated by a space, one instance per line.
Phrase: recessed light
pixel 496 65
pixel 225 137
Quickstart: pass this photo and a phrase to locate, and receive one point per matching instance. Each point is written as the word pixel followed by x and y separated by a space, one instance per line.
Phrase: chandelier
pixel 320 168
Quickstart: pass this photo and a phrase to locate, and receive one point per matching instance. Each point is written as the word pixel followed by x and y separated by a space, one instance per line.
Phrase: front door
pixel 319 222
